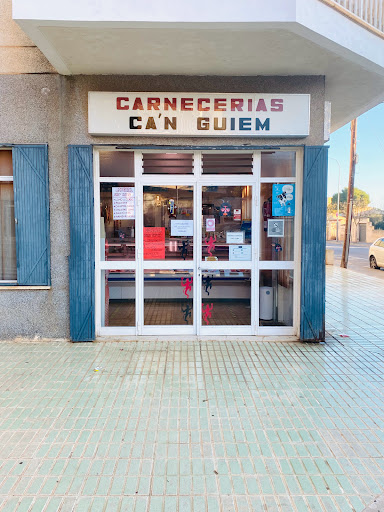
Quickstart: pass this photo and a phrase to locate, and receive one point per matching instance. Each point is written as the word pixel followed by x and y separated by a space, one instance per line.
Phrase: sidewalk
pixel 200 427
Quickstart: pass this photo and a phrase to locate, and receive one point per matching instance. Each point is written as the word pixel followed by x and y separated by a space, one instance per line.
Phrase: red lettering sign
pixel 154 243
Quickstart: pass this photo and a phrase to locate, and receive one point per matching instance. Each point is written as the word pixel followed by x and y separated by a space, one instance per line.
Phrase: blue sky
pixel 370 149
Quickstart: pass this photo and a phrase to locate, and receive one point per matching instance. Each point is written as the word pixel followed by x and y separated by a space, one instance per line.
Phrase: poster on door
pixel 123 203
pixel 283 200
pixel 154 243
pixel 210 224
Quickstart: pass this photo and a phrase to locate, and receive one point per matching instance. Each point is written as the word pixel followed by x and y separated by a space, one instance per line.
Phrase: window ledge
pixel 16 287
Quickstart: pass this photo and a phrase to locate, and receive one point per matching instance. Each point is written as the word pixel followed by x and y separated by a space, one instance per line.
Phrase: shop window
pixel 167 163
pixel 118 298
pixel 226 297
pixel 168 297
pixel 227 163
pixel 168 222
pixel 276 298
pixel 117 221
pixel 119 164
pixel 8 266
pixel 277 230
pixel 227 223
pixel 278 164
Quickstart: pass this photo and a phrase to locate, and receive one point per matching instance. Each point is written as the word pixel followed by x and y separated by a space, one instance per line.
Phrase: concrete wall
pixel 48 108
pixel 18 54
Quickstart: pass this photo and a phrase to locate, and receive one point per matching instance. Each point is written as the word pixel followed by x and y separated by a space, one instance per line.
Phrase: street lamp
pixel 338 199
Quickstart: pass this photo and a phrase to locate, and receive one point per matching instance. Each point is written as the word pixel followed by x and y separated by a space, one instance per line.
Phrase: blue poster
pixel 283 200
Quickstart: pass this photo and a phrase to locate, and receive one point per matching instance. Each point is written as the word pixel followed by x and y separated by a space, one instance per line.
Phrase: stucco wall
pixel 52 109
pixel 18 54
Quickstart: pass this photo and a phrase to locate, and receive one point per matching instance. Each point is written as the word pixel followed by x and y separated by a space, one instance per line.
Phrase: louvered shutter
pixel 31 192
pixel 314 217
pixel 82 250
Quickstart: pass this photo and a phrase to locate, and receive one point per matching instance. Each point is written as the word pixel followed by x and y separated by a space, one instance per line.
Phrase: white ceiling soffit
pixel 246 37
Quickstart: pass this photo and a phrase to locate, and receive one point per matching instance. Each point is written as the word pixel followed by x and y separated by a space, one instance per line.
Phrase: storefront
pixel 187 214
pixel 197 242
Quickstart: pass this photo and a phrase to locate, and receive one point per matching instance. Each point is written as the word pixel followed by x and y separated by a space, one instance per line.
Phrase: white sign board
pixel 123 203
pixel 198 114
pixel 209 224
pixel 240 253
pixel 181 227
pixel 235 237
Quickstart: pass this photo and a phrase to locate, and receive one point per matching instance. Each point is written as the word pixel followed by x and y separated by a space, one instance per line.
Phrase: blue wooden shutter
pixel 82 256
pixel 31 191
pixel 312 321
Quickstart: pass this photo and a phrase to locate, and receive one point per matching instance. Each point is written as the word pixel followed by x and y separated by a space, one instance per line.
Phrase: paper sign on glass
pixel 154 243
pixel 240 253
pixel 283 200
pixel 181 227
pixel 209 224
pixel 236 214
pixel 235 237
pixel 123 203
pixel 275 227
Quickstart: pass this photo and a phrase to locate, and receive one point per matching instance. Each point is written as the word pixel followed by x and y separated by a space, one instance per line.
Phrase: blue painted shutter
pixel 82 255
pixel 31 191
pixel 312 321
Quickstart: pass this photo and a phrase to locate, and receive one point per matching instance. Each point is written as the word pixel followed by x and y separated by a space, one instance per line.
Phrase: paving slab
pixel 191 426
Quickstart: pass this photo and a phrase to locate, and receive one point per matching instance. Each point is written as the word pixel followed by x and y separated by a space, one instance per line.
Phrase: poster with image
pixel 283 200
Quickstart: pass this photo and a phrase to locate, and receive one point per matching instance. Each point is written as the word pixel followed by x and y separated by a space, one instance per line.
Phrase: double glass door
pixel 179 255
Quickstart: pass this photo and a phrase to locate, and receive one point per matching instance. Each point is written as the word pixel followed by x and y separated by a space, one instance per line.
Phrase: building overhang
pixel 274 37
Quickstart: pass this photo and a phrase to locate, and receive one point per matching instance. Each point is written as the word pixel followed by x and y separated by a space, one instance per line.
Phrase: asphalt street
pixel 358 258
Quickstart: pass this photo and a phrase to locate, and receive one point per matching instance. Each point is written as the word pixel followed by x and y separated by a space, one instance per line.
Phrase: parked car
pixel 376 254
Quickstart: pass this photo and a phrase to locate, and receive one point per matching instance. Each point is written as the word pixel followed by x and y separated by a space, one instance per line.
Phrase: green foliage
pixel 360 198
pixel 377 221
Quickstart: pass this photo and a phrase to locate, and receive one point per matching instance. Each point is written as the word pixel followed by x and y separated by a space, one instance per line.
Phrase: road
pixel 358 258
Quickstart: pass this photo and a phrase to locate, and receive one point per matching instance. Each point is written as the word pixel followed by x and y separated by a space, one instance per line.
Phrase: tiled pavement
pixel 200 427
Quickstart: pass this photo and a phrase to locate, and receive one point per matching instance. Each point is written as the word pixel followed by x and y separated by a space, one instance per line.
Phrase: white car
pixel 376 254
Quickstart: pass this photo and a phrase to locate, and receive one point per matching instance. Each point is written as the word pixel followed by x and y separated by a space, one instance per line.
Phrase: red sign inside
pixel 154 243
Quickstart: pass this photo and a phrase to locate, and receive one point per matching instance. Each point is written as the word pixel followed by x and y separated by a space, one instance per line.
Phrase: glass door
pixel 225 258
pixel 168 251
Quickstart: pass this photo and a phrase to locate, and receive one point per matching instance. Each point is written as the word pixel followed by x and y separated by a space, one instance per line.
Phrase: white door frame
pixel 198 180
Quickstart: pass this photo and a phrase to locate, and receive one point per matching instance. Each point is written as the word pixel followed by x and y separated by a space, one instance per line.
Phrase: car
pixel 376 254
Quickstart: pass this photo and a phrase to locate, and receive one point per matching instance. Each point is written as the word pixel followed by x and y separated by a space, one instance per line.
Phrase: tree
pixel 360 198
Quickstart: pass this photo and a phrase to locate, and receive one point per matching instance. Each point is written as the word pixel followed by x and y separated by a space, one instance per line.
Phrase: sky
pixel 370 149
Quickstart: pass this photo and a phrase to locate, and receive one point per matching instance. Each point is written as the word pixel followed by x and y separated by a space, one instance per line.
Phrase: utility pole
pixel 351 186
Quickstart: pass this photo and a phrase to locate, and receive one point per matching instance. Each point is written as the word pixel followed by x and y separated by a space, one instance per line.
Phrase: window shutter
pixel 82 255
pixel 314 217
pixel 31 191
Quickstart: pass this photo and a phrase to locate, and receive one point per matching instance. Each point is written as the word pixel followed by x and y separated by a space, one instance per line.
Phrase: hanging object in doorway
pixel 207 312
pixel 186 283
pixel 278 248
pixel 187 312
pixel 184 249
pixel 210 244
pixel 207 284
pixel 225 209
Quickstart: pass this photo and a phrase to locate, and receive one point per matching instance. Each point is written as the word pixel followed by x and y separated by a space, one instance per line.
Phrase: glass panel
pixel 168 297
pixel 226 297
pixel 227 223
pixel 118 298
pixel 119 164
pixel 276 297
pixel 227 163
pixel 277 221
pixel 168 223
pixel 7 233
pixel 278 164
pixel 6 163
pixel 117 221
pixel 167 163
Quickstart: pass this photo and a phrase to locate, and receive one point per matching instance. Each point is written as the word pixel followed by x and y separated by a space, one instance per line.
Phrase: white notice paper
pixel 210 224
pixel 240 253
pixel 123 203
pixel 235 237
pixel 181 227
